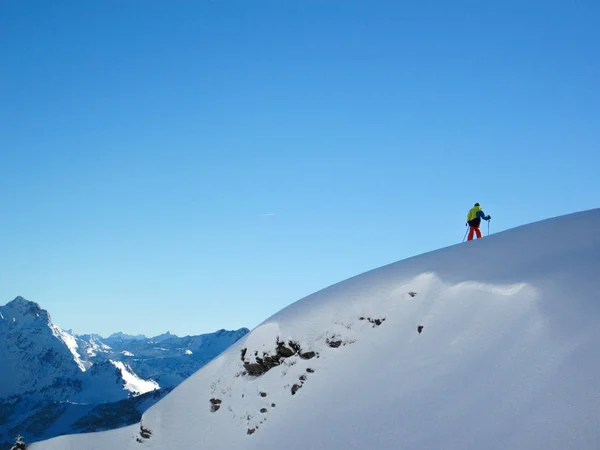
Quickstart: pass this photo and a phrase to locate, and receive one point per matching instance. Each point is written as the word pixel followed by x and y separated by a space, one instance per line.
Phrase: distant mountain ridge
pixel 47 373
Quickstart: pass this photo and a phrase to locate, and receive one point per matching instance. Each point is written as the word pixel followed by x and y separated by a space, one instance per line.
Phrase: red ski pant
pixel 474 230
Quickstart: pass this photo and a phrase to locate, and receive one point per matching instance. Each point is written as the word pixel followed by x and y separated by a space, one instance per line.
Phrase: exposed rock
pixel 375 322
pixel 302 377
pixel 284 351
pixel 263 410
pixel 307 355
pixel 268 361
pixel 334 343
pixel 272 405
pixel 295 388
pixel 295 346
pixel 254 369
pixel 19 444
pixel 412 294
pixel 244 350
pixel 251 430
pixel 145 432
pixel 263 394
pixel 215 404
pixel 262 365
pixel 309 370
pixel 420 328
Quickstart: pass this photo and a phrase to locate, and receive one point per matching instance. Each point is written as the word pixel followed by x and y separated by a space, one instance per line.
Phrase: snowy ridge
pixel 491 344
pixel 71 344
pixel 133 383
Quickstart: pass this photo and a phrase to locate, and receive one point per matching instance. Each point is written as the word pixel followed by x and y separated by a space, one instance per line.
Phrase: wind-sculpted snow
pixel 490 344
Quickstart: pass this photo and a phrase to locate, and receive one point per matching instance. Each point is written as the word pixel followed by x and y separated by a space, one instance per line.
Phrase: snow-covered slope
pixel 490 344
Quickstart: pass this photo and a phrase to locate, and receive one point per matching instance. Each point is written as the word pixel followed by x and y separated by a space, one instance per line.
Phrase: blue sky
pixel 200 165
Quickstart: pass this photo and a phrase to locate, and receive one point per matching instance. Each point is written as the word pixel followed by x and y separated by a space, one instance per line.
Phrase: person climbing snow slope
pixel 474 220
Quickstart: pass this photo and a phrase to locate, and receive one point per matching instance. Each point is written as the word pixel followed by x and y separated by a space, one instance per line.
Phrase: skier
pixel 474 219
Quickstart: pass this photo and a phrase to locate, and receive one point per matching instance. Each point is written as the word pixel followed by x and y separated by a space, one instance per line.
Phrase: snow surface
pixel 508 358
pixel 70 342
pixel 94 345
pixel 133 383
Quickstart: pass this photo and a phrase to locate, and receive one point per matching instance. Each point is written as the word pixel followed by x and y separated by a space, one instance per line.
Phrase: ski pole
pixel 488 227
pixel 465 235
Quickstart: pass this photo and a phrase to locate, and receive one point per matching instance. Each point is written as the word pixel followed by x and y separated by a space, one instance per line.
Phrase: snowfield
pixel 489 344
pixel 70 342
pixel 133 383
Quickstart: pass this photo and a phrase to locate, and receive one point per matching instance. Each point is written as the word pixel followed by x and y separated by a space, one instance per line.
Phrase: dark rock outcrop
pixel 215 404
pixel 375 322
pixel 333 342
pixel 268 361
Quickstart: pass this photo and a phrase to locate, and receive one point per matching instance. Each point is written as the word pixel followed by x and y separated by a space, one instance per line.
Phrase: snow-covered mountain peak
pixel 36 350
pixel 18 300
pixel 22 309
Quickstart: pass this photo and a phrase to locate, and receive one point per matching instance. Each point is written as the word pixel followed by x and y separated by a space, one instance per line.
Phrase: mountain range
pixel 53 381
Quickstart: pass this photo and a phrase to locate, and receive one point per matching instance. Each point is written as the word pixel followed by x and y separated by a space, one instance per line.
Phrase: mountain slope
pixel 489 344
pixel 35 350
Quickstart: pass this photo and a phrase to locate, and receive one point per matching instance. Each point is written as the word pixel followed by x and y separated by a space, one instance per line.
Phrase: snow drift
pixel 488 344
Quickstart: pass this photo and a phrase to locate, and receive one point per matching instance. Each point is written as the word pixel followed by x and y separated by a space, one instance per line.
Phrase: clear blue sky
pixel 200 165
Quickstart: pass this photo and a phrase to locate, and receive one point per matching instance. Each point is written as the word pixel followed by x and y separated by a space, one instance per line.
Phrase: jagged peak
pixel 26 307
pixel 166 335
pixel 18 300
